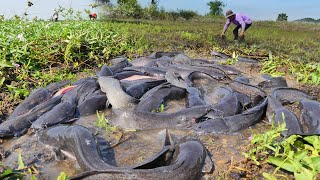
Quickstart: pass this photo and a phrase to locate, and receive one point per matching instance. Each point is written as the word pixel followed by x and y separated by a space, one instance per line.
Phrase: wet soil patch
pixel 131 148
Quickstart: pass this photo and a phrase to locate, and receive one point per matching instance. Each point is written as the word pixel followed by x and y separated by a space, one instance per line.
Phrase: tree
pixel 103 1
pixel 282 17
pixel 216 7
pixel 129 8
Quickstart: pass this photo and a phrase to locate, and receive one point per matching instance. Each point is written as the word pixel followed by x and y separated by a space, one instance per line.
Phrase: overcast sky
pixel 256 9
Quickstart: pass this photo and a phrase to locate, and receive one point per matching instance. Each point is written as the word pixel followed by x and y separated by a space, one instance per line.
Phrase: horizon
pixel 257 10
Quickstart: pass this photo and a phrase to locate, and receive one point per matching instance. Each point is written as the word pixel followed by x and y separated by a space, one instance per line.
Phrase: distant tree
pixel 103 1
pixel 130 8
pixel 187 14
pixel 153 2
pixel 216 7
pixel 123 2
pixel 282 17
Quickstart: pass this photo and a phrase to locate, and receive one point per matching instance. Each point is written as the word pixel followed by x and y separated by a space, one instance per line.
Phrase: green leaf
pixel 316 163
pixel 161 107
pixel 282 163
pixel 292 139
pixel 2 81
pixel 269 176
pixel 7 172
pixel 314 140
pixel 20 161
pixel 5 64
pixel 305 174
pixel 32 177
pixel 62 176
pixel 300 155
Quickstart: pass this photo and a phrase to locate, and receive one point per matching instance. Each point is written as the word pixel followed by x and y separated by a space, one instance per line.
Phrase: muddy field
pixel 132 147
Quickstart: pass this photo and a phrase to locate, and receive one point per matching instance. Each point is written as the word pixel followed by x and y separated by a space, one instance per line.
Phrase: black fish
pixel 233 123
pixel 138 89
pixel 148 120
pixel 194 97
pixel 61 113
pixel 115 94
pixel 311 115
pixel 279 114
pixel 187 161
pixel 290 95
pixel 158 95
pixel 175 79
pixel 20 124
pixel 105 71
pixel 273 82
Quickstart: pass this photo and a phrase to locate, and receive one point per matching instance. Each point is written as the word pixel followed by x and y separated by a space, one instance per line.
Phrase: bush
pixel 187 14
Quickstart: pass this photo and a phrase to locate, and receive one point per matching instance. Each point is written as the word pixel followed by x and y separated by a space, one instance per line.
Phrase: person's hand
pixel 241 34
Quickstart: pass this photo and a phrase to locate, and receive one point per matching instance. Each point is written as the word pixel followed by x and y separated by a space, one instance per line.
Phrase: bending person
pixel 240 20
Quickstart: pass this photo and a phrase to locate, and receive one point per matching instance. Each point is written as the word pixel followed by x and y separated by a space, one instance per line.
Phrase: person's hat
pixel 229 13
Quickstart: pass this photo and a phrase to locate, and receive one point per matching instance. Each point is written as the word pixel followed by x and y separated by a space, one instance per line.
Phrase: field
pixel 35 53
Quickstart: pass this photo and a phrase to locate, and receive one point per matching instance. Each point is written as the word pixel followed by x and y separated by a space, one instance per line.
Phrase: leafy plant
pixel 11 174
pixel 216 7
pixel 271 66
pixel 2 81
pixel 20 162
pixel 160 109
pixel 102 122
pixel 296 154
pixel 62 176
pixel 232 60
pixel 20 172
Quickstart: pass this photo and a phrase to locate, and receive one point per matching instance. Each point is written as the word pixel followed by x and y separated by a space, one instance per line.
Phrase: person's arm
pixel 226 26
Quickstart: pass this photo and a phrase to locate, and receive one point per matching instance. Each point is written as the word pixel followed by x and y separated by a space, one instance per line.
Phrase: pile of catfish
pixel 218 99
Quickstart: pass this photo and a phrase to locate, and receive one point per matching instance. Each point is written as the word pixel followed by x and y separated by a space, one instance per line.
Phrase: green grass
pixel 296 154
pixel 103 122
pixel 35 53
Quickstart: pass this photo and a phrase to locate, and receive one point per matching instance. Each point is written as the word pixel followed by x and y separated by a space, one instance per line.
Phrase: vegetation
pixel 62 176
pixel 282 17
pixel 102 122
pixel 232 60
pixel 35 53
pixel 132 9
pixel 216 7
pixel 19 172
pixel 309 20
pixel 160 109
pixel 296 154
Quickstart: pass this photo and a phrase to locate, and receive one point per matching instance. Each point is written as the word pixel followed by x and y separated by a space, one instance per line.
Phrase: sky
pixel 256 9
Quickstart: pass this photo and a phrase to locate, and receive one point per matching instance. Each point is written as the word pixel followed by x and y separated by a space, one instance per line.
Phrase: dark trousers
pixel 236 30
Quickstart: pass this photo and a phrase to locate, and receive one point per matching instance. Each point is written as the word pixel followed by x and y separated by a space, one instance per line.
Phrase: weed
pixel 296 154
pixel 160 109
pixel 20 172
pixel 231 60
pixel 271 66
pixel 102 122
pixel 62 176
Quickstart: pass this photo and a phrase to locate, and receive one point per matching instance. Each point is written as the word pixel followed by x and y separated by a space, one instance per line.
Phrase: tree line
pixel 132 9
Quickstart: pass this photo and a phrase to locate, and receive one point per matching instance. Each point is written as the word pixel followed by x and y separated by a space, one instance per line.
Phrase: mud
pixel 134 147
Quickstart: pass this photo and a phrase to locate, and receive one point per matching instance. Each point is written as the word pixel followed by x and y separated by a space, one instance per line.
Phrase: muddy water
pixel 38 155
pixel 131 148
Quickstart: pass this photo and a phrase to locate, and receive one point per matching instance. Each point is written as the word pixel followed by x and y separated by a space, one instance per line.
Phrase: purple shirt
pixel 240 19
